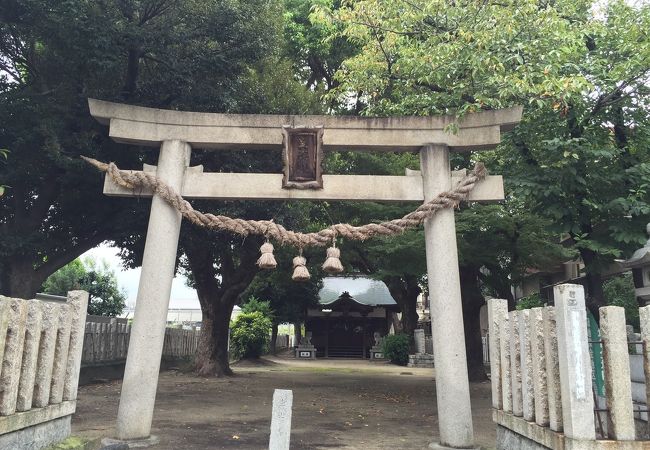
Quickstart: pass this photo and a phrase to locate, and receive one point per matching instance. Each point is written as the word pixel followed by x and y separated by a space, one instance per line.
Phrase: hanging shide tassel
pixel 333 264
pixel 267 260
pixel 300 272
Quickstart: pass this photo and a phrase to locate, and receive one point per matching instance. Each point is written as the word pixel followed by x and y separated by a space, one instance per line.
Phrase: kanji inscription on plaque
pixel 302 156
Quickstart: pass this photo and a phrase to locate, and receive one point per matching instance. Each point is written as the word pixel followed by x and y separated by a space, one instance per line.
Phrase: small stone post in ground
pixel 618 384
pixel 574 361
pixel 281 420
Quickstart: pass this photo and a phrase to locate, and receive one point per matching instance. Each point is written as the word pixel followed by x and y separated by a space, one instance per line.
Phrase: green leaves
pixel 106 299
pixel 250 335
pixel 429 57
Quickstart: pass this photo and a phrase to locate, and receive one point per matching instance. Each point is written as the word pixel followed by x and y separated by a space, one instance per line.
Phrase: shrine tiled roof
pixel 363 290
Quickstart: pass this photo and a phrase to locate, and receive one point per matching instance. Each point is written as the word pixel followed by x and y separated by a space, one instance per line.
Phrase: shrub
pixel 396 348
pixel 255 304
pixel 249 335
pixel 619 291
pixel 530 301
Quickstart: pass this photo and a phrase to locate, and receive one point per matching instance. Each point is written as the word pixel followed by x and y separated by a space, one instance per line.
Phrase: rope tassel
pixel 267 260
pixel 300 272
pixel 333 264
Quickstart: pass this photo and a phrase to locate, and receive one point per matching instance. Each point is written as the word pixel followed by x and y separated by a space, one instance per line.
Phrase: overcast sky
pixel 182 296
pixel 185 297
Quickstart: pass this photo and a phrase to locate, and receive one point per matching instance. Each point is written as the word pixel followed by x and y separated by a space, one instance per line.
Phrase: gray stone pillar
pixel 497 311
pixel 552 369
pixel 418 337
pixel 505 363
pixel 527 389
pixel 515 364
pixel 452 384
pixel 644 316
pixel 618 383
pixel 574 362
pixel 538 357
pixel 281 420
pixel 147 334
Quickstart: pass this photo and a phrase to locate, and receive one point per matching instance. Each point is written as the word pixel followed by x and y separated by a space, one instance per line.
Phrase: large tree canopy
pixel 53 56
pixel 580 156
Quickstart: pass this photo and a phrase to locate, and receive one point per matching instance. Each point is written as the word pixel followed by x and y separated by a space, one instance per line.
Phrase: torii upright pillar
pixel 138 396
pixel 446 309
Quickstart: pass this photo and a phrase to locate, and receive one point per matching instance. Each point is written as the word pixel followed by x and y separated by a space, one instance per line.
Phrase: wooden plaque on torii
pixel 302 155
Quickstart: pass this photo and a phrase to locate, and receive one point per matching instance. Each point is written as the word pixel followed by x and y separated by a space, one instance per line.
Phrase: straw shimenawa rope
pixel 272 230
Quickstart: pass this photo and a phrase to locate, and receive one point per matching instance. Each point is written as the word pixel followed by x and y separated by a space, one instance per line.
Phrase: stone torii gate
pixel 176 133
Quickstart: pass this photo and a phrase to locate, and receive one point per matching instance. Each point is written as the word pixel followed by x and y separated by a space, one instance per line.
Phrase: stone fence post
pixel 497 311
pixel 574 361
pixel 618 384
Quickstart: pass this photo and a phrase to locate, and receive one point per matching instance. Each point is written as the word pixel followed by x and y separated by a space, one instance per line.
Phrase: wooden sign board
pixel 302 155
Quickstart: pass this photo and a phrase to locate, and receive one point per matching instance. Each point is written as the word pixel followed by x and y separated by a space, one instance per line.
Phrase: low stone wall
pixel 40 348
pixel 421 360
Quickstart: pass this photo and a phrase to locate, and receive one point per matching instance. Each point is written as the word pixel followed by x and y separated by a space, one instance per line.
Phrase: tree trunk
pixel 212 356
pixel 218 298
pixel 397 324
pixel 405 291
pixel 594 295
pixel 297 333
pixel 473 300
pixel 21 280
pixel 274 338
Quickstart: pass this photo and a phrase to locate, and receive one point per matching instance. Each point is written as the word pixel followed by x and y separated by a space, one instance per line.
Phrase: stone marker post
pixel 281 420
pixel 452 383
pixel 574 362
pixel 618 384
pixel 148 331
pixel 418 337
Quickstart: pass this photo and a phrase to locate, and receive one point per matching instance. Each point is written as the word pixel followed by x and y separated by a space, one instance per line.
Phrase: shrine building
pixel 350 312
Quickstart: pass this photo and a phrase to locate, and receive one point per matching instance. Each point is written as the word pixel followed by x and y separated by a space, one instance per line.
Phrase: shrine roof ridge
pixel 150 126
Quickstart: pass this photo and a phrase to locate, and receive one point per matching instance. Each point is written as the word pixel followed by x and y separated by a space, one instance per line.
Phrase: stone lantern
pixel 640 265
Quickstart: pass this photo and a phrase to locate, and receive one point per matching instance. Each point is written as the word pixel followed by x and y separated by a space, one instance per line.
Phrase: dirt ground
pixel 342 404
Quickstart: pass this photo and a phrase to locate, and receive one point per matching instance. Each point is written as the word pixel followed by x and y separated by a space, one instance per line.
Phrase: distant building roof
pixel 364 290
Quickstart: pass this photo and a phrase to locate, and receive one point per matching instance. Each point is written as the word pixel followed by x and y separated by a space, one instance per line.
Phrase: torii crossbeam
pixel 176 133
